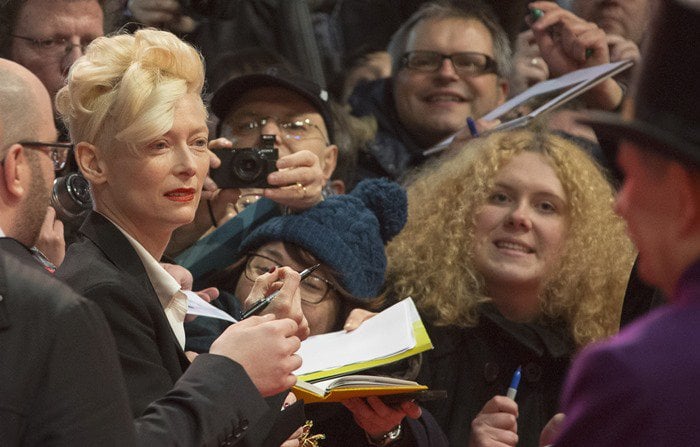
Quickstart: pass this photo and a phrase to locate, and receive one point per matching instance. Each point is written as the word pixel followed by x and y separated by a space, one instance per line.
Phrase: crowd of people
pixel 524 249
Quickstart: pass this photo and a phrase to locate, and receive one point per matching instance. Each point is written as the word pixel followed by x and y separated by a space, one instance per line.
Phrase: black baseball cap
pixel 230 92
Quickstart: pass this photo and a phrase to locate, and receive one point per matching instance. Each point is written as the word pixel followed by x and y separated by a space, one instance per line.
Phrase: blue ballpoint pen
pixel 515 381
pixel 472 127
pixel 263 303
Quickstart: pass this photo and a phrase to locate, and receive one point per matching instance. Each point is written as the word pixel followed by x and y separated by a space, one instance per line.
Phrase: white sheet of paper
pixel 385 334
pixel 199 306
pixel 551 85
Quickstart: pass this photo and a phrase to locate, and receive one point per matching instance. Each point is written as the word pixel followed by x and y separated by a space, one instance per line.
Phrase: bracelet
pixel 386 439
pixel 211 214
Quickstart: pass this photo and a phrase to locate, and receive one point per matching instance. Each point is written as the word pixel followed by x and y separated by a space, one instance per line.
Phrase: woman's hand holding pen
pixel 287 303
pixel 496 424
pixel 274 339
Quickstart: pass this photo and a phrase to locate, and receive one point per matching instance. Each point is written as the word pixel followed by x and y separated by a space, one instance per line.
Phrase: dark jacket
pixel 475 364
pixel 393 152
pixel 60 382
pixel 212 401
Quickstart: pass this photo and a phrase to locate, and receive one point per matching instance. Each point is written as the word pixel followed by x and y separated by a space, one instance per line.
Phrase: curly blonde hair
pixel 432 258
pixel 126 86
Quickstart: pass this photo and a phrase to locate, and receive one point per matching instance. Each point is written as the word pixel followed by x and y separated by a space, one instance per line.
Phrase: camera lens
pixel 247 167
pixel 71 196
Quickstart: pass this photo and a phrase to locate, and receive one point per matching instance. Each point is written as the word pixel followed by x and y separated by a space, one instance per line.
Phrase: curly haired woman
pixel 514 257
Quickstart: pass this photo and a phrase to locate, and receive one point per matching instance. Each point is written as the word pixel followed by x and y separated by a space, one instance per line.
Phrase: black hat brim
pixel 227 95
pixel 611 128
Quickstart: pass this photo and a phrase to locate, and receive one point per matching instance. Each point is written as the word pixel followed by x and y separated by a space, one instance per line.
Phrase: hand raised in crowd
pixel 287 304
pixel 621 49
pixel 496 424
pixel 568 43
pixel 299 180
pixel 264 347
pixel 529 67
pixel 162 14
pixel 377 418
pixel 50 241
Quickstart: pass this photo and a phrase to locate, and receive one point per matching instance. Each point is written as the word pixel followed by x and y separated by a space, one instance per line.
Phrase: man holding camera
pixel 292 109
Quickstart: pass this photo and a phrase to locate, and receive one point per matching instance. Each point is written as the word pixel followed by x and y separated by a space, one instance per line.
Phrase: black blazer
pixel 60 382
pixel 209 402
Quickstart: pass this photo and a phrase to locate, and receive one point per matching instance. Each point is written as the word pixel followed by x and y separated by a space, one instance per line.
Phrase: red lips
pixel 181 195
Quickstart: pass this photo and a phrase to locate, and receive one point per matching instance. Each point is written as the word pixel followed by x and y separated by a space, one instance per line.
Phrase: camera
pixel 246 167
pixel 70 196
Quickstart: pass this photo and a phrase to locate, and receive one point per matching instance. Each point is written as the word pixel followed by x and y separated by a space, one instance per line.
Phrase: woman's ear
pixel 88 158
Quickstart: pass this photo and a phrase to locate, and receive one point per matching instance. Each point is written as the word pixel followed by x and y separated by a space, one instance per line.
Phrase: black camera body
pixel 246 167
pixel 70 196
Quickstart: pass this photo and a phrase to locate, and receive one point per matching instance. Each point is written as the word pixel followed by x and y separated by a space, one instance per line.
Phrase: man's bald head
pixel 25 106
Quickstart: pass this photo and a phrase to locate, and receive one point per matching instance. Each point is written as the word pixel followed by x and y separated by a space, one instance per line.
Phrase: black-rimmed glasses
pixel 57 151
pixel 465 64
pixel 58 46
pixel 313 290
pixel 294 129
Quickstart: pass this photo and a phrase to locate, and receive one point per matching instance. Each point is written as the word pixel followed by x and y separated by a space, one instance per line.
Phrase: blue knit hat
pixel 345 232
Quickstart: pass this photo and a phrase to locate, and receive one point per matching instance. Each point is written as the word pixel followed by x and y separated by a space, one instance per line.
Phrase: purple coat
pixel 640 388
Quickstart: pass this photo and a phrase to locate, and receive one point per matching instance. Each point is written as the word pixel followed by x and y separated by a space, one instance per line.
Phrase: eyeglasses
pixel 294 129
pixel 53 46
pixel 465 64
pixel 57 151
pixel 314 289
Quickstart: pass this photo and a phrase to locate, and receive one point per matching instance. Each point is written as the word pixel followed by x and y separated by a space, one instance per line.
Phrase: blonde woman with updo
pixel 134 109
pixel 515 258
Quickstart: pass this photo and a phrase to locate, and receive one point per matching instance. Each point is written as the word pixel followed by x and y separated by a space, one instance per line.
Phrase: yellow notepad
pixel 341 388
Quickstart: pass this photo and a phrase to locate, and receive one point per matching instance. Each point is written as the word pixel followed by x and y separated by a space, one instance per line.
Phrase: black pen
pixel 263 303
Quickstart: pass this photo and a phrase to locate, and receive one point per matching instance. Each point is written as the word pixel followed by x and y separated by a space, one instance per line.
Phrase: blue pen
pixel 472 127
pixel 515 381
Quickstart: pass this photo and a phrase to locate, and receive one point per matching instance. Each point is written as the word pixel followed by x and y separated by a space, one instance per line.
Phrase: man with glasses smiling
pixel 448 63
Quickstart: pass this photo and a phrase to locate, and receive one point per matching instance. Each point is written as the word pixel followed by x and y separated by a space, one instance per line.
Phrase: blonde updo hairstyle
pixel 126 86
pixel 432 258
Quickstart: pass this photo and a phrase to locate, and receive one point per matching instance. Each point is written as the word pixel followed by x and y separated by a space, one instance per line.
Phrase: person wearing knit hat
pixel 346 234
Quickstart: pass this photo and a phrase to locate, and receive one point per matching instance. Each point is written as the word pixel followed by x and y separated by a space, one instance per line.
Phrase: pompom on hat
pixel 345 232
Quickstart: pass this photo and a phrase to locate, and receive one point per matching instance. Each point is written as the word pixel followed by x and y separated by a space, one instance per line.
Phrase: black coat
pixel 393 152
pixel 475 364
pixel 60 382
pixel 209 402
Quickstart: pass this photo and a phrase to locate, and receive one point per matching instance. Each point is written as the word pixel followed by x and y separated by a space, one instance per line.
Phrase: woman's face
pixel 321 316
pixel 520 231
pixel 159 187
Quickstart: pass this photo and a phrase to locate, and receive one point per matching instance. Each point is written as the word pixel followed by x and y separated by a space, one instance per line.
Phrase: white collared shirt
pixel 171 297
